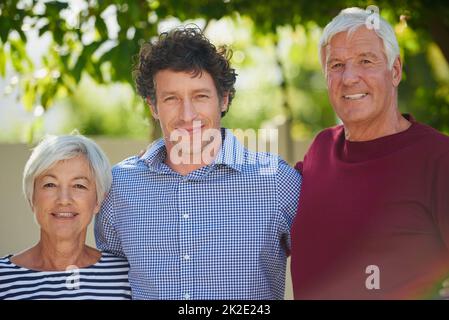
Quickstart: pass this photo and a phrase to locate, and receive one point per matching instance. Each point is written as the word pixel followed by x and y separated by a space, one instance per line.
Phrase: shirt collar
pixel 231 153
pixel 155 155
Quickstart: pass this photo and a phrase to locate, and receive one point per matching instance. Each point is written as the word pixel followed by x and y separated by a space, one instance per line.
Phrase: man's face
pixel 361 86
pixel 187 107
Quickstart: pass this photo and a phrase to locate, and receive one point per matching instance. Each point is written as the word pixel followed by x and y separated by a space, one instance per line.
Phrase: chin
pixel 354 115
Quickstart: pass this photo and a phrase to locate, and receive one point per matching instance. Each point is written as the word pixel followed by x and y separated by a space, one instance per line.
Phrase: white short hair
pixel 350 20
pixel 56 148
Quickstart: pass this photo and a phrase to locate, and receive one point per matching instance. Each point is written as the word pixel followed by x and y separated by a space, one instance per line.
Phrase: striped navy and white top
pixel 105 280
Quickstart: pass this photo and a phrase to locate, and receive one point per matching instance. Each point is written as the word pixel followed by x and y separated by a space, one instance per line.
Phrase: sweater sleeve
pixel 441 197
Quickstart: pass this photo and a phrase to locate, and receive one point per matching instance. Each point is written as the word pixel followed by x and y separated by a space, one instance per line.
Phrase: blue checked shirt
pixel 220 232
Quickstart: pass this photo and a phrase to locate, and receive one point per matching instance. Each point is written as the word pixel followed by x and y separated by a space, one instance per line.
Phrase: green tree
pixel 86 44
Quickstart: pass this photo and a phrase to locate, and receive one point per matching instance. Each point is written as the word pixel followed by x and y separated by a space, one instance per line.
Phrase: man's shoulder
pixel 327 137
pixel 130 164
pixel 437 135
pixel 432 138
pixel 267 163
pixel 331 133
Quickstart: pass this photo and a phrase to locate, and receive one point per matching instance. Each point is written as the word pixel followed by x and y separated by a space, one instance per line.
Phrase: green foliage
pixel 424 91
pixel 111 110
pixel 86 44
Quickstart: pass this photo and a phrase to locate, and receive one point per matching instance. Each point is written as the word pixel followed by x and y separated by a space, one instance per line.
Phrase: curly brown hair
pixel 184 49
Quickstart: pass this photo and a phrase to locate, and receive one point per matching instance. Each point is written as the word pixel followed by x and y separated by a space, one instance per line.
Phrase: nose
pixel 64 196
pixel 188 113
pixel 350 75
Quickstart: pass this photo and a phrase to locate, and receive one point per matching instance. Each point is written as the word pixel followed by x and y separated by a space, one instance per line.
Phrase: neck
pixel 58 254
pixel 189 162
pixel 384 125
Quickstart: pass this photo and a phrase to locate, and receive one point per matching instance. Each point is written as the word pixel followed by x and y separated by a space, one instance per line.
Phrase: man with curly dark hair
pixel 184 50
pixel 198 216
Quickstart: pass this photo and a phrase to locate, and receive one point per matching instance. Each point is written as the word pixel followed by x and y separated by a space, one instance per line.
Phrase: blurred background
pixel 67 65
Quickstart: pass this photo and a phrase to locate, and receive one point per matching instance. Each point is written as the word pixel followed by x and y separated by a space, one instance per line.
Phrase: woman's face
pixel 65 198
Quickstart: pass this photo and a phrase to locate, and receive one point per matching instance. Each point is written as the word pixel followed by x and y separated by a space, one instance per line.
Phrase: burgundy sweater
pixel 382 203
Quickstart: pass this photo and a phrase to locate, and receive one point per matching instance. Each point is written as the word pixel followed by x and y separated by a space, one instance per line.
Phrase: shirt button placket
pixel 185 245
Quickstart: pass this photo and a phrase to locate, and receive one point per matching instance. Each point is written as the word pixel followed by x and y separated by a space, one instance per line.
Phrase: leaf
pixel 4 29
pixel 29 96
pixel 78 69
pixel 98 75
pixel 54 7
pixel 47 96
pixel 2 61
pixel 101 27
pixel 69 82
pixel 43 30
pixel 89 50
pixel 58 35
pixel 16 60
pixel 22 34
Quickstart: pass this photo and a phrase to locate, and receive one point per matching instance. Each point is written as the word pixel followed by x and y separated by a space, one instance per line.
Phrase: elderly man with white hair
pixel 373 214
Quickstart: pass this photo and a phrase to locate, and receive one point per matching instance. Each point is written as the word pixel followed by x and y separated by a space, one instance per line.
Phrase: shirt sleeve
pixel 289 183
pixel 106 236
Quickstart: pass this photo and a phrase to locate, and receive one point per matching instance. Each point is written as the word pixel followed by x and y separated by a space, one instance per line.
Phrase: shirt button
pixel 185 216
pixel 186 296
pixel 186 257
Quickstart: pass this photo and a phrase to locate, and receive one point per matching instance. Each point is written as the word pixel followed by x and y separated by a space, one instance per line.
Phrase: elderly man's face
pixel 361 86
pixel 65 199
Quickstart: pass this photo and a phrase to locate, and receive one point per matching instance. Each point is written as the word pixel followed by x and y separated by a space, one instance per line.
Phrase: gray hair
pixel 56 148
pixel 350 20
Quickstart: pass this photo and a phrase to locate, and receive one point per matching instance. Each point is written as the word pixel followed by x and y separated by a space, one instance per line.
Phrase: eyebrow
pixel 195 90
pixel 167 92
pixel 202 90
pixel 82 178
pixel 368 55
pixel 76 178
pixel 362 55
pixel 332 60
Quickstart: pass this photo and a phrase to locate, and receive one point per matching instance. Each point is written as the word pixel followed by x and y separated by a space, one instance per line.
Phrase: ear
pixel 397 71
pixel 153 108
pixel 98 205
pixel 323 57
pixel 97 208
pixel 224 102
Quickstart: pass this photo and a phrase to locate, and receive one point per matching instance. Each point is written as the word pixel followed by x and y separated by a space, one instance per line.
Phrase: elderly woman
pixel 65 180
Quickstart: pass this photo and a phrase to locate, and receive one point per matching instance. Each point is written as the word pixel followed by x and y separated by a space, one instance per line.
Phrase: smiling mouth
pixel 195 128
pixel 64 215
pixel 191 129
pixel 356 96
